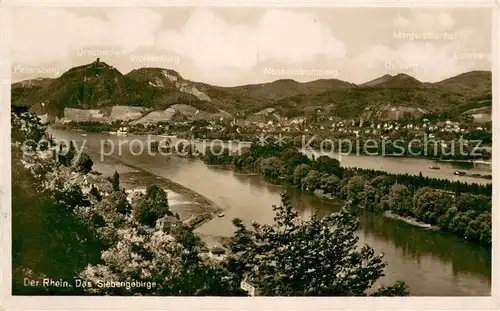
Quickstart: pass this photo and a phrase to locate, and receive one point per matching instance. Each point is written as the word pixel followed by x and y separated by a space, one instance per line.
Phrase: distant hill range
pixel 98 91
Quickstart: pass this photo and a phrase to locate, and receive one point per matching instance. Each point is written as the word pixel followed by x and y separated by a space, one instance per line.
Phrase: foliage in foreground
pixel 48 239
pixel 317 257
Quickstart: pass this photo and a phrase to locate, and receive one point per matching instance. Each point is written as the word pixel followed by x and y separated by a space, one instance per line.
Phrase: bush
pixel 152 206
pixel 116 181
pixel 119 201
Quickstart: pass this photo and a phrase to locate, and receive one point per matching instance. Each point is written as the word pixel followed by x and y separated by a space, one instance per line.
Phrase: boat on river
pixel 221 215
pixel 434 167
pixel 460 173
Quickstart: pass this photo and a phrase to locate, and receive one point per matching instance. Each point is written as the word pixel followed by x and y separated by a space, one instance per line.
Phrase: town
pixel 476 133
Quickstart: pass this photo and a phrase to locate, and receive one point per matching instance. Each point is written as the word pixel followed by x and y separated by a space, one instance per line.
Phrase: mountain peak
pixel 94 69
pixel 401 80
pixel 283 81
pixel 403 76
pixel 376 81
pixel 155 72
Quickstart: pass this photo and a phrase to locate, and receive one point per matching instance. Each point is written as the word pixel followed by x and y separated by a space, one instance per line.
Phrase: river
pixel 431 263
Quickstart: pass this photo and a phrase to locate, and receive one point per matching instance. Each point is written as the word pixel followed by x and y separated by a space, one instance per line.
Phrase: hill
pixel 476 82
pixel 376 81
pixel 100 86
pixel 398 81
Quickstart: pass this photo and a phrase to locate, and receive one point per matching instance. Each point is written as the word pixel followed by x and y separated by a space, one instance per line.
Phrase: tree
pixel 48 238
pixel 467 201
pixel 217 155
pixel 329 183
pixel 25 127
pixel 430 205
pixel 399 199
pixel 70 154
pixel 354 188
pixel 327 164
pixel 95 193
pixel 294 257
pixel 311 182
pixel 484 228
pixel 116 181
pixel 382 183
pixel 84 164
pixel 152 206
pixel 397 290
pixel 300 172
pixel 293 158
pixel 119 201
pixel 370 199
pixel 166 264
pixel 272 167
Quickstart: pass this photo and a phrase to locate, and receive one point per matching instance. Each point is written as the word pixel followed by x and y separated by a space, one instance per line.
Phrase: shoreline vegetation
pixel 388 214
pixel 479 176
pixel 460 208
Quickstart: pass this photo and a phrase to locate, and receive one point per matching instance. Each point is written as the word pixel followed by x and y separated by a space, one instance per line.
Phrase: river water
pixel 431 263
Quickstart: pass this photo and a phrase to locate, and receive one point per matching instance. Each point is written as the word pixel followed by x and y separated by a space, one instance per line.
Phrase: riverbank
pixel 388 214
pixel 187 203
pixel 411 221
pixel 375 191
pixel 488 177
pixel 321 194
pixel 193 208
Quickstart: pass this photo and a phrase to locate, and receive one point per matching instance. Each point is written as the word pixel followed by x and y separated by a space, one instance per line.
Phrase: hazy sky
pixel 234 46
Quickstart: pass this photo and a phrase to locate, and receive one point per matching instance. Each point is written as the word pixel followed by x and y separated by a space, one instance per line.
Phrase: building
pixel 217 253
pixel 168 224
pixel 249 287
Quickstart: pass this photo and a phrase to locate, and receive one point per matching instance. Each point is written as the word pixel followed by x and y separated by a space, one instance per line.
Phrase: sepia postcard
pixel 249 155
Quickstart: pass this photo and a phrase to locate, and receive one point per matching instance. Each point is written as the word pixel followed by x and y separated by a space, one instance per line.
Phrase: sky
pixel 237 46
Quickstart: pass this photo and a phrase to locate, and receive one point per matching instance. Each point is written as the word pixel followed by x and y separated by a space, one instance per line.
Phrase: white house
pixel 247 286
